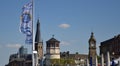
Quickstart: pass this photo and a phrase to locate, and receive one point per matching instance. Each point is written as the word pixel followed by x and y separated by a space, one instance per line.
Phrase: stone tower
pixel 52 50
pixel 92 49
pixel 38 42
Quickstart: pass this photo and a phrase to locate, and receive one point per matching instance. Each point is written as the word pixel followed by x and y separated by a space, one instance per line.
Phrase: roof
pixel 53 40
pixel 38 36
pixel 18 59
pixel 111 40
pixel 22 57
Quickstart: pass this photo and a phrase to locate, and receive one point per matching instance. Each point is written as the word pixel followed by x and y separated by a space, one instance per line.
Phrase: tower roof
pixel 53 40
pixel 92 38
pixel 38 36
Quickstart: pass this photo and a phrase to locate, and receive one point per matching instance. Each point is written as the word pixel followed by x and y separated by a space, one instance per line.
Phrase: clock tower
pixel 92 49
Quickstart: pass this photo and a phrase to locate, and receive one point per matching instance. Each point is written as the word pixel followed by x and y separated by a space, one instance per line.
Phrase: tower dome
pixel 92 38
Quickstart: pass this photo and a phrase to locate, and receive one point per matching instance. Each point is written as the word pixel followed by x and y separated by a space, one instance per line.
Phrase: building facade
pixel 78 59
pixel 92 49
pixel 20 59
pixel 112 46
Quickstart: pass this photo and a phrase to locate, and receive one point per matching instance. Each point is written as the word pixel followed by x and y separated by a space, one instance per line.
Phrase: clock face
pixel 92 44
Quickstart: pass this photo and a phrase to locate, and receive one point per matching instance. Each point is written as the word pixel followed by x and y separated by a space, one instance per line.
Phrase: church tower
pixel 38 42
pixel 92 49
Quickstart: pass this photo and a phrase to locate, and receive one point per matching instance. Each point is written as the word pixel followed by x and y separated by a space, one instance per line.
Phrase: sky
pixel 71 21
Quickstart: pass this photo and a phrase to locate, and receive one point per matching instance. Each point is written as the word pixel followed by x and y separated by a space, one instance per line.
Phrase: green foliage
pixel 99 58
pixel 62 61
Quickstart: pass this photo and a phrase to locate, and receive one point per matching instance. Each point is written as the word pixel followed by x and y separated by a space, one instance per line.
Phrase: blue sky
pixel 71 21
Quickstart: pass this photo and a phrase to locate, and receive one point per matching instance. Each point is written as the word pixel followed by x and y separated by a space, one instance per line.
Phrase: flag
pixel 26 22
pixel 90 61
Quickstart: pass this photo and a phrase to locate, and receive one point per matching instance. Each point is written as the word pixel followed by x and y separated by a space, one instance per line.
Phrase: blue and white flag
pixel 90 61
pixel 27 8
pixel 26 22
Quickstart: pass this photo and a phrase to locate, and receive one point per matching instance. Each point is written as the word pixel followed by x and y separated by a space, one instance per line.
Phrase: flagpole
pixel 27 26
pixel 33 24
pixel 33 47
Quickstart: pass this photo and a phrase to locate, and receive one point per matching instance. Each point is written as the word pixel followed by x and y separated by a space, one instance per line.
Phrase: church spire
pixel 38 36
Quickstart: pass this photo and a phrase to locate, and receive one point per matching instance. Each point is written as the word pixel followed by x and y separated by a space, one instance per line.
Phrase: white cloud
pixel 64 43
pixel 64 26
pixel 13 45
